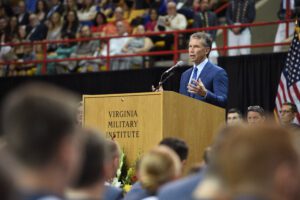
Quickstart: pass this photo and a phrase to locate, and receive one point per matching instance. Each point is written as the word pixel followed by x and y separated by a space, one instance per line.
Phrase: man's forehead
pixel 233 114
pixel 196 40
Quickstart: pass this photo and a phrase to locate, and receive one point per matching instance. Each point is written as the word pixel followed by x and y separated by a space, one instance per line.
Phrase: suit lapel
pixel 204 71
pixel 186 81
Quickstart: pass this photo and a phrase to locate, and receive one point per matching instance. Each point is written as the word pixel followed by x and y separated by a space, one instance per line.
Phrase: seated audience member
pixel 159 166
pixel 89 183
pixel 100 23
pixel 255 115
pixel 23 15
pixel 41 10
pixel 54 30
pixel 151 24
pixel 63 51
pixel 112 27
pixel 87 13
pixel 172 21
pixel 13 27
pixel 40 132
pixel 179 146
pixel 36 30
pixel 234 116
pixel 288 113
pixel 205 18
pixel 137 45
pixel 86 48
pixel 111 167
pixel 71 23
pixel 115 48
pixel 255 162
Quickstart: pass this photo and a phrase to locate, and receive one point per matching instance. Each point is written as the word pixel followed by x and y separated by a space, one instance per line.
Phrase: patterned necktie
pixel 194 77
pixel 195 73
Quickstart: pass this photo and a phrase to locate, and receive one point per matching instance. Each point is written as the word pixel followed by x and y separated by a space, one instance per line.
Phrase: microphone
pixel 161 81
pixel 178 64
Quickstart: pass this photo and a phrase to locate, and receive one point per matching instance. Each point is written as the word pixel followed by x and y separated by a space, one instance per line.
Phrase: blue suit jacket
pixel 137 192
pixel 182 189
pixel 112 193
pixel 215 81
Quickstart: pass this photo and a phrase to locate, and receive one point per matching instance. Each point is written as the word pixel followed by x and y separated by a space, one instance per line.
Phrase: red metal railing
pixel 175 51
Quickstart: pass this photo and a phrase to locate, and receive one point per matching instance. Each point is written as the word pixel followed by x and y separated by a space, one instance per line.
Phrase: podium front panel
pixel 133 120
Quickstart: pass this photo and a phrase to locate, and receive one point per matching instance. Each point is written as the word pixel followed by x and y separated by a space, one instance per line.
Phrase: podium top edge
pixel 124 94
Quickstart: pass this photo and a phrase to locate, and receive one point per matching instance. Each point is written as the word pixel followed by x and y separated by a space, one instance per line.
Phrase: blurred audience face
pixel 33 20
pixel 254 118
pixel 233 118
pixel 113 159
pixel 71 16
pixel 40 131
pixel 119 14
pixel 171 8
pixel 3 24
pixel 179 146
pixel 86 32
pixel 21 7
pixel 153 15
pixel 13 22
pixel 287 115
pixel 56 18
pixel 196 4
pixel 121 29
pixel 22 32
pixel 99 19
pixel 255 115
pixel 91 178
pixel 140 29
pixel 204 5
pixel 257 161
pixel 41 5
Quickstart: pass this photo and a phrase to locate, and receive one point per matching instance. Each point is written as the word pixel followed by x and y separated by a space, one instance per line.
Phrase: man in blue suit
pixel 204 81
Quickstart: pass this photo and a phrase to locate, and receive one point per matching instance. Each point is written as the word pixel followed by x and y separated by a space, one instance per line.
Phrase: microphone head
pixel 180 63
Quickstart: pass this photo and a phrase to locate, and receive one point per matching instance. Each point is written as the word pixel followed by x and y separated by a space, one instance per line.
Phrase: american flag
pixel 289 85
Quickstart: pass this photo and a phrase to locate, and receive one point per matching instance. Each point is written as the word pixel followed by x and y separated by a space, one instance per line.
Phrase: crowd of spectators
pixel 27 21
pixel 51 20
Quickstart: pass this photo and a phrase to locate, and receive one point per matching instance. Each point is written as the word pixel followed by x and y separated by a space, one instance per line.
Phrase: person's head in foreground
pixel 91 178
pixel 255 115
pixel 39 128
pixel 159 166
pixel 256 161
pixel 178 146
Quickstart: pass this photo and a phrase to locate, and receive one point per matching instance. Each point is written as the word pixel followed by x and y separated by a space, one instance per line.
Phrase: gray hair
pixel 205 37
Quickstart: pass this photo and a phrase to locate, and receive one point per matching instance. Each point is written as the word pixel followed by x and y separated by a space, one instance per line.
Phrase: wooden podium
pixel 138 121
